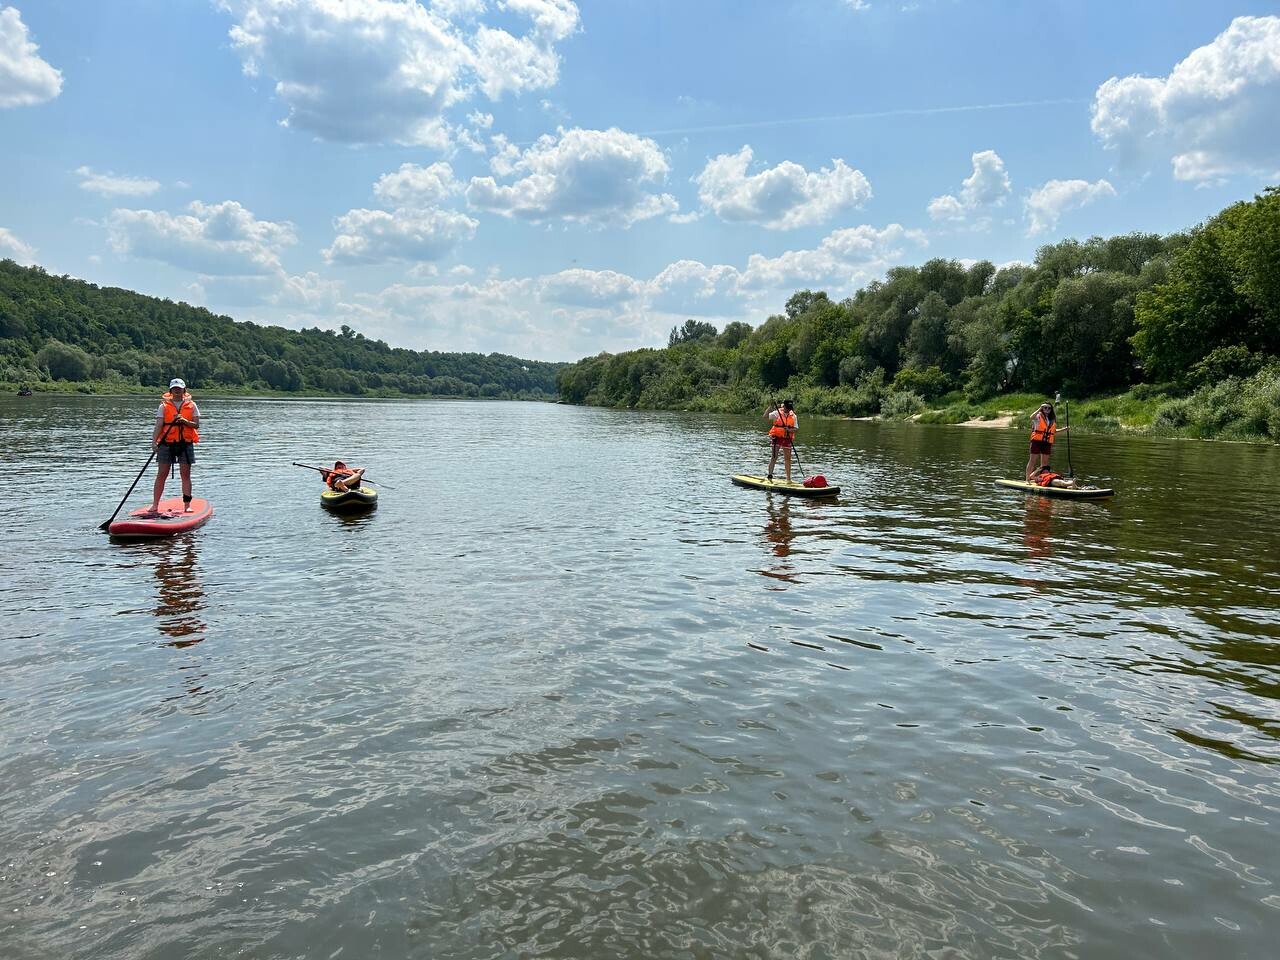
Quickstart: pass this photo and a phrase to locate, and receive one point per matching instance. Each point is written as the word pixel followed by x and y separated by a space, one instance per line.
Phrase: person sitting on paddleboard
pixel 174 438
pixel 343 478
pixel 1044 477
pixel 782 432
pixel 1044 426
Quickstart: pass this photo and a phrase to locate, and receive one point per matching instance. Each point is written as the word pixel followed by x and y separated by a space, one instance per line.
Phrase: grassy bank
pixel 1245 409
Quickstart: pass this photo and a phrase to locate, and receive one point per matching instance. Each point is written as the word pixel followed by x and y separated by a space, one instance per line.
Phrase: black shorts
pixel 170 453
pixel 1041 446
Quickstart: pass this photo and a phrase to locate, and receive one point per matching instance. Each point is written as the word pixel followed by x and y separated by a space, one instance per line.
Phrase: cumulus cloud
pixel 1054 198
pixel 415 186
pixel 782 197
pixel 591 176
pixel 413 230
pixel 11 248
pixel 377 236
pixel 217 239
pixel 1213 115
pixel 369 71
pixel 984 189
pixel 114 185
pixel 25 79
pixel 844 259
pixel 589 288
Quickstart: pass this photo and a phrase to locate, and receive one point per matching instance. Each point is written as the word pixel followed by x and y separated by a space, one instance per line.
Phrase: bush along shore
pixel 1175 336
pixel 59 333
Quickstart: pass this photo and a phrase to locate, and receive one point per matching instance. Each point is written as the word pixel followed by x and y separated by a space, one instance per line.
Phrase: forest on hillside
pixel 60 328
pixel 1191 319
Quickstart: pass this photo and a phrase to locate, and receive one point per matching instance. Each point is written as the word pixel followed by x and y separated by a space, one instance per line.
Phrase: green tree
pixel 63 361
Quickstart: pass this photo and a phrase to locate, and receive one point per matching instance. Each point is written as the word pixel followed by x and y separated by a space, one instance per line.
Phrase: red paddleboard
pixel 171 518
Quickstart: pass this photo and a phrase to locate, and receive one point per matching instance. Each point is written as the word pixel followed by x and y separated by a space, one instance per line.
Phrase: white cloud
pixel 858 4
pixel 693 287
pixel 589 288
pixel 219 239
pixel 308 292
pixel 984 189
pixel 1215 114
pixel 1054 198
pixel 369 71
pixel 112 185
pixel 11 248
pixel 591 176
pixel 415 186
pixel 377 236
pixel 25 79
pixel 782 197
pixel 844 259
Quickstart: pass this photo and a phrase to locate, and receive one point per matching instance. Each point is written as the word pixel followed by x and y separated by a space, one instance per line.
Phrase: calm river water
pixel 568 693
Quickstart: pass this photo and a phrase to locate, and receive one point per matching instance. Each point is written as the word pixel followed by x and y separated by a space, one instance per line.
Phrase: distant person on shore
pixel 176 433
pixel 343 478
pixel 1044 477
pixel 1044 427
pixel 782 432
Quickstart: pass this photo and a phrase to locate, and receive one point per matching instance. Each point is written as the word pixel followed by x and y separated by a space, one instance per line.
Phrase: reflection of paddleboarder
pixel 179 595
pixel 1035 529
pixel 175 436
pixel 777 533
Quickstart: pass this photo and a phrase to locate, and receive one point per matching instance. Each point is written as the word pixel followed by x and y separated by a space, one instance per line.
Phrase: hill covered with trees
pixel 60 328
pixel 1188 324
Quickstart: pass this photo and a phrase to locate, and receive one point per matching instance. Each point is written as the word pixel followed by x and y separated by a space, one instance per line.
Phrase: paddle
pixel 1066 413
pixel 326 472
pixel 107 523
pixel 791 437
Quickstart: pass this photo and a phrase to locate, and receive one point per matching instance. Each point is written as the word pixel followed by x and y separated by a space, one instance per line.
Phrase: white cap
pixel 177 382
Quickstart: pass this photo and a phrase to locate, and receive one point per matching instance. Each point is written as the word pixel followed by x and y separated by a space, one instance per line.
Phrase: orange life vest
pixel 784 426
pixel 1046 478
pixel 187 411
pixel 335 475
pixel 1044 430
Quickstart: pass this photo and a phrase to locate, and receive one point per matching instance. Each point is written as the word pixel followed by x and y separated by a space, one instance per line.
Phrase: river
pixel 569 693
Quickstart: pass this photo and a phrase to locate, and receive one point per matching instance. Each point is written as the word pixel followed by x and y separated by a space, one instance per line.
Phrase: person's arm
pixel 771 412
pixel 159 429
pixel 196 413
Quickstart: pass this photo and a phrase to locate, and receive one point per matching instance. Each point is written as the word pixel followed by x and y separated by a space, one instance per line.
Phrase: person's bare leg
pixel 773 461
pixel 786 460
pixel 1031 466
pixel 157 490
pixel 185 469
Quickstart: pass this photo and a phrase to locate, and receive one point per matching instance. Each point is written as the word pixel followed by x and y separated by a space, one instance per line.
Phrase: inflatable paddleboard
pixel 360 499
pixel 171 518
pixel 781 486
pixel 1079 493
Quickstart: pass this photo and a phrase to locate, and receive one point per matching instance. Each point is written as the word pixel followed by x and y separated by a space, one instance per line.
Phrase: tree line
pixel 1182 312
pixel 60 328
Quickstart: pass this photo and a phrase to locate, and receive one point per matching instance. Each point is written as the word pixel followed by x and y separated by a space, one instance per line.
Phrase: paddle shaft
pixel 791 437
pixel 322 470
pixel 107 523
pixel 1066 412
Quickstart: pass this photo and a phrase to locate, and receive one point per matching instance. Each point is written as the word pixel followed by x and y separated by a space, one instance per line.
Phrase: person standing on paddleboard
pixel 1044 426
pixel 175 436
pixel 782 432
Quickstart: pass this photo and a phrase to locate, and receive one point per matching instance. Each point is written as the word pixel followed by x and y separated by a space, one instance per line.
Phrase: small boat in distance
pixel 24 391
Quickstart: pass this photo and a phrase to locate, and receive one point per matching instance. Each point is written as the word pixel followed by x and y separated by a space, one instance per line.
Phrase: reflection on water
pixel 778 536
pixel 179 594
pixel 1037 521
pixel 572 696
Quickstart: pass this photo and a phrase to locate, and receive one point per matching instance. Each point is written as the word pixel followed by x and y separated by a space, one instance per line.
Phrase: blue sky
pixel 552 179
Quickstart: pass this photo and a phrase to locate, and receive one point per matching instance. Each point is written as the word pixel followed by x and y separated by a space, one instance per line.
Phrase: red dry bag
pixel 816 481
